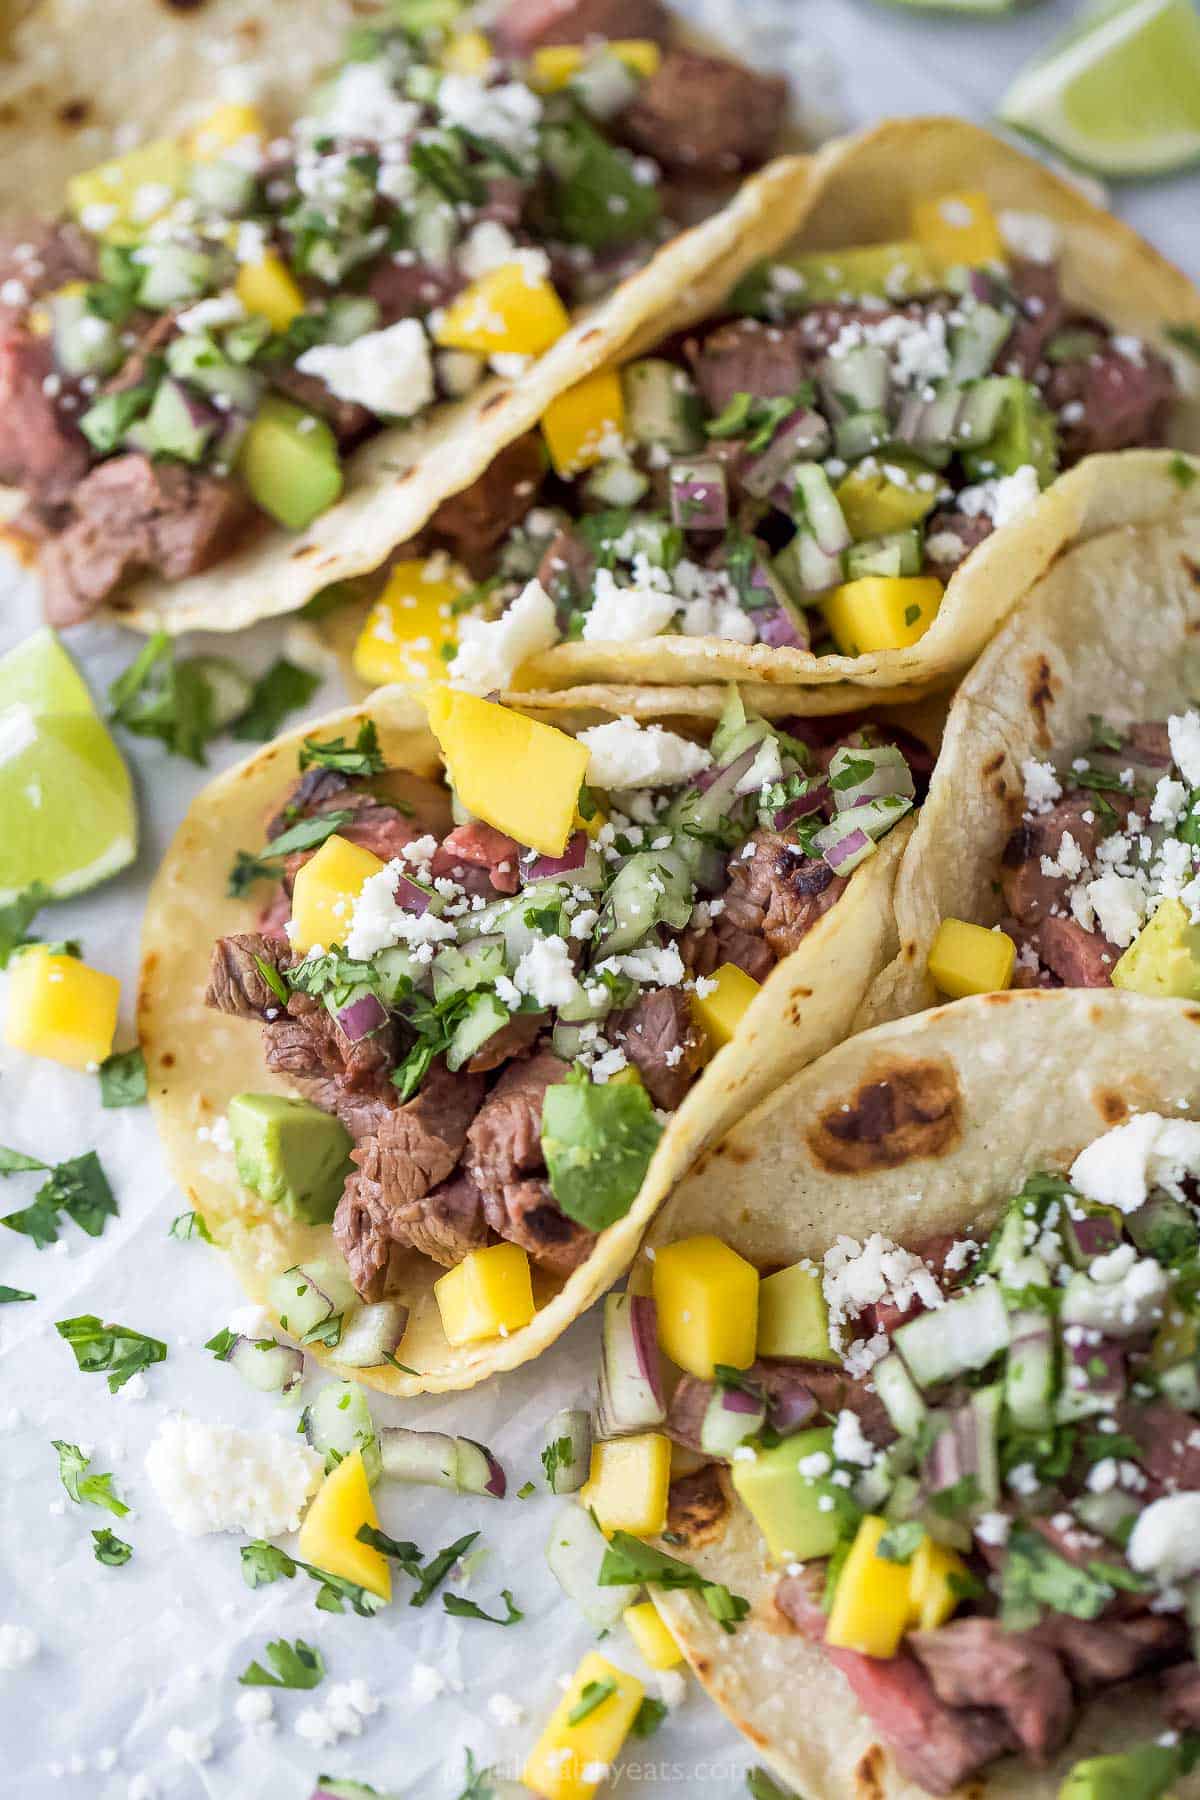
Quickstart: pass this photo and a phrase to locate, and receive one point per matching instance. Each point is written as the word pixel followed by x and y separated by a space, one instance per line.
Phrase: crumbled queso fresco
pixel 218 1478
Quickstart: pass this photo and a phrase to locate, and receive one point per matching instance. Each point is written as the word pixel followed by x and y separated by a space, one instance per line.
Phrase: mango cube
pixel 467 53
pixel 932 1598
pixel 489 1294
pixel 117 200
pixel 874 506
pixel 521 777
pixel 707 1297
pixel 556 64
pixel 329 1533
pixel 325 891
pixel 580 427
pixel 793 1319
pixel 1164 958
pixel 958 228
pixel 871 1600
pixel 881 612
pixel 269 288
pixel 226 126
pixel 970 959
pixel 411 622
pixel 722 1011
pixel 508 311
pixel 58 1007
pixel 627 1483
pixel 652 1636
pixel 570 1760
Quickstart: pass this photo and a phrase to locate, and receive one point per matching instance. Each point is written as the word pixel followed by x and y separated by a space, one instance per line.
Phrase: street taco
pixel 1063 808
pixel 931 1314
pixel 838 469
pixel 504 1055
pixel 246 358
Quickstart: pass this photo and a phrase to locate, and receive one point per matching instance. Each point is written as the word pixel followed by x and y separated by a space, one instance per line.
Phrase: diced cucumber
pixel 304 1297
pixel 84 343
pixel 875 817
pixel 832 843
pixel 459 971
pixel 539 900
pixel 965 1333
pixel 1181 1385
pixel 1164 1228
pixel 485 1016
pixel 861 433
pixel 658 540
pixel 900 1396
pixel 339 1422
pixel 1109 1514
pixel 604 85
pixel 651 888
pixel 433 227
pixel 616 483
pixel 197 359
pixel 980 412
pixel 1029 1373
pixel 661 405
pixel 815 505
pixel 397 973
pixel 172 273
pixel 804 570
pixel 1026 433
pixel 723 1428
pixel 977 341
pixel 350 316
pixel 575 1550
pixel 570 1432
pixel 593 1001
pixel 899 553
pixel 857 381
pixel 222 187
pixel 904 1499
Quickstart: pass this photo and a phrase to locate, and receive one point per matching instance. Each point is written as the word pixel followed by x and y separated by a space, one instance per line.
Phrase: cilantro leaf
pixel 1184 337
pixel 438 1567
pixel 17 917
pixel 187 1225
pixel 123 1078
pixel 222 1343
pixel 592 1695
pixel 479 1781
pixel 900 1543
pixel 117 1349
pixel 762 1786
pixel 1035 1577
pixel 467 1609
pixel 325 1331
pixel 556 1456
pixel 1182 471
pixel 306 834
pixel 110 1549
pixel 400 1550
pixel 10 1295
pixel 363 757
pixel 283 689
pixel 85 1489
pixel 15 1162
pixel 161 698
pixel 628 1560
pixel 595 197
pixel 263 1563
pixel 78 1187
pixel 297 1665
pixel 649 1716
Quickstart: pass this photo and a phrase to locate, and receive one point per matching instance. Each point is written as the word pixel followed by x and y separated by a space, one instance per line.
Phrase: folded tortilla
pixel 1112 627
pixel 72 87
pixel 197 1059
pixel 997 1088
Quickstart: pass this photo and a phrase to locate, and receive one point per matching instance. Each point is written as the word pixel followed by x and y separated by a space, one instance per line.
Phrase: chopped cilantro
pixel 402 1551
pixel 297 1665
pixel 363 757
pixel 263 1563
pixel 479 1781
pixel 557 1455
pixel 188 1225
pixel 172 701
pixel 648 1717
pixel 282 690
pixel 123 1078
pixel 116 1349
pixel 1035 1577
pixel 1182 471
pixel 460 1608
pixel 17 917
pixel 592 1694
pixel 273 979
pixel 595 198
pixel 628 1561
pixel 900 1542
pixel 911 614
pixel 222 1343
pixel 10 1295
pixel 762 1786
pixel 438 1567
pixel 1103 735
pixel 78 1188
pixel 110 1549
pixel 1184 337
pixel 307 834
pixel 526 1489
pixel 757 420
pixel 85 1489
pixel 325 1331
pixel 959 1497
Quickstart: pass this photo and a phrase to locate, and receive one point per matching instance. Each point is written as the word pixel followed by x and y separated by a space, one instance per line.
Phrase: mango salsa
pixel 226 126
pixel 931 1594
pixel 325 891
pixel 506 312
pixel 871 1600
pixel 581 425
pixel 650 1633
pixel 958 228
pixel 489 1294
pixel 793 1319
pixel 411 622
pixel 556 64
pixel 521 777
pixel 881 612
pixel 329 1533
pixel 707 1297
pixel 60 1008
pixel 970 959
pixel 722 1011
pixel 269 288
pixel 627 1483
pixel 570 1760
pixel 874 506
pixel 467 53
pixel 117 200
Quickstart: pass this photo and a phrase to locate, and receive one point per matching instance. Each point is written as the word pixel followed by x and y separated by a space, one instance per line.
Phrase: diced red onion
pixel 816 798
pixel 779 629
pixel 699 501
pixel 631 1396
pixel 685 1416
pixel 362 1016
pixel 546 868
pixel 412 898
pixel 790 1405
pixel 802 435
pixel 736 1400
pixel 1106 1382
pixel 1095 1233
pixel 728 774
pixel 846 847
pixel 478 1470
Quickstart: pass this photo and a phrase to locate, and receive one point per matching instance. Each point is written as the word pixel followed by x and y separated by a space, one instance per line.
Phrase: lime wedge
pixel 1120 93
pixel 67 814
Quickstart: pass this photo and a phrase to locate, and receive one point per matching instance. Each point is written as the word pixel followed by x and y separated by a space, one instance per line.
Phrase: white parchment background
pixel 126 1654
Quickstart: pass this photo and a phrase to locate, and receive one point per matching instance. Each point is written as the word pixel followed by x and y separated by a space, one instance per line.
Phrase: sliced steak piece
pixel 513 1039
pixel 404 288
pixel 1181 1697
pixel 473 522
pixel 480 846
pixel 1110 401
pixel 566 570
pixel 391 1201
pixel 41 255
pixel 347 419
pixel 724 942
pixel 504 1158
pixel 951 536
pixel 1150 741
pixel 274 917
pixel 1169 1441
pixel 42 451
pixel 705 115
pixel 976 1663
pixel 307 1043
pixel 131 515
pixel 1079 958
pixel 1041 312
pixel 746 357
pixel 659 1036
pixel 1029 893
pixel 526 25
pixel 317 790
pixel 1097 1652
pixel 788 890
pixel 235 982
pixel 934 1745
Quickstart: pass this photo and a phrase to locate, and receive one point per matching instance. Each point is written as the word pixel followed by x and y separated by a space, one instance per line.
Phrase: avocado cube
pixel 793 1319
pixel 1026 434
pixel 1164 958
pixel 289 463
pixel 291 1153
pixel 1143 1773
pixel 786 1504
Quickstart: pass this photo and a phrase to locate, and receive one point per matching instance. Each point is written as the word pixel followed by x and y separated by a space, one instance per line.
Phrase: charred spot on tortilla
pixel 993 763
pixel 493 402
pixel 302 550
pixel 869 1773
pixel 908 1113
pixel 1192 568
pixel 74 112
pixel 1042 687
pixel 698 1506
pixel 1111 1106
pixel 1003 998
pixel 1192 1015
pixel 184 5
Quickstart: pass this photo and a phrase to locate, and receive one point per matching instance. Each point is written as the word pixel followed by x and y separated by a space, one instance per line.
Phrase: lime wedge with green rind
pixel 67 813
pixel 1120 92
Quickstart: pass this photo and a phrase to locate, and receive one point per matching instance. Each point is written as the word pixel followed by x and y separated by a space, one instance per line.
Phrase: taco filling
pixel 1101 879
pixel 807 471
pixel 217 320
pixel 974 1462
pixel 491 993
